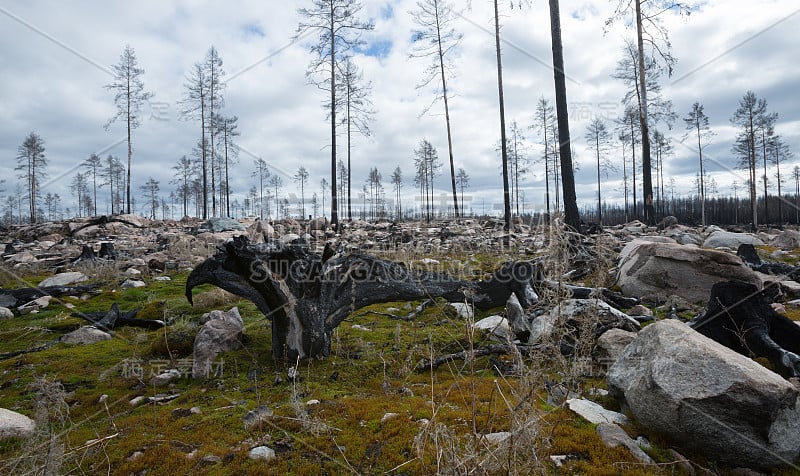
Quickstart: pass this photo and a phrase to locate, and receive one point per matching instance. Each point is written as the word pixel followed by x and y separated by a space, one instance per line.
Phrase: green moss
pixel 357 385
pixel 152 310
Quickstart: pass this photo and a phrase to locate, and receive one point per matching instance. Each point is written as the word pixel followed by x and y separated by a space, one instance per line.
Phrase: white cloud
pixel 55 55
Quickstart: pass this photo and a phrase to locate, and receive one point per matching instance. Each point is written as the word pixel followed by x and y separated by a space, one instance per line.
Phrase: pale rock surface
pixel 707 397
pixel 654 271
pixel 13 424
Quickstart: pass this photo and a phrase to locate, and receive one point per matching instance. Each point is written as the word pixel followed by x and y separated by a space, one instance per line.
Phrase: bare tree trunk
pixel 130 150
pixel 334 198
pixel 702 178
pixel 503 145
pixel 647 183
pixel 571 214
pixel 349 167
pixel 446 111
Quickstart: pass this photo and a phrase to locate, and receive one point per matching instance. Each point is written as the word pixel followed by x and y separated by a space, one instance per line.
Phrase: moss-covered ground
pixel 369 374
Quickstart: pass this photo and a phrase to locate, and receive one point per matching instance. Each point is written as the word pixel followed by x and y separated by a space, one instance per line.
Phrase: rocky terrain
pixel 105 366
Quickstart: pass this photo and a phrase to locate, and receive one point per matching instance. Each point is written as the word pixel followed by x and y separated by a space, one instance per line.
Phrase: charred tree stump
pixel 740 317
pixel 107 251
pixel 307 295
pixel 87 254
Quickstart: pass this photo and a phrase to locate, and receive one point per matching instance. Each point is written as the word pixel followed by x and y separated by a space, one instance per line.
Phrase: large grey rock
pixel 655 271
pixel 707 397
pixel 63 279
pixel 728 239
pixel 85 335
pixel 787 240
pixel 221 333
pixel 217 224
pixel 13 424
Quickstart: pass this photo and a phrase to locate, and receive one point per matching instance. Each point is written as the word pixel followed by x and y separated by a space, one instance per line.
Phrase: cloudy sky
pixel 56 58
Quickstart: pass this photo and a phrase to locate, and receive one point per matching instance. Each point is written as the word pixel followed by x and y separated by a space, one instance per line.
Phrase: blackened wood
pixel 739 316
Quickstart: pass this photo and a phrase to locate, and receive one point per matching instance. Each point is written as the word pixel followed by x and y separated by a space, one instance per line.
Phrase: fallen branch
pixel 427 364
pixel 8 355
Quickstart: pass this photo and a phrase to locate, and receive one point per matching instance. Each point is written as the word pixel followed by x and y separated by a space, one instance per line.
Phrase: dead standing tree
pixel 307 295
pixel 129 95
pixel 436 39
pixel 339 32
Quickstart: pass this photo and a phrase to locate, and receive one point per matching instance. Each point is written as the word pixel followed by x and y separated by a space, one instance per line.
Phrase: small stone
pixel 496 326
pixel 598 392
pixel 132 273
pixel 778 307
pixel 388 416
pixel 5 313
pixel 102 398
pixel 312 402
pixel 613 435
pixel 639 310
pixel 165 377
pixel 262 452
pixel 595 413
pixel 132 283
pixel 181 413
pixel 684 464
pixel 195 410
pixel 135 455
pixel 136 401
pixel 464 310
pixel 558 460
pixel 405 391
pixel 360 327
pixel 256 417
pixel 495 439
pixel 36 304
pixel 166 278
pixel 209 460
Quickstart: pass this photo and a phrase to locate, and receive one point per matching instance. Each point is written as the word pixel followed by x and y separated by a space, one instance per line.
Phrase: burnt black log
pixel 750 257
pixel 307 295
pixel 739 316
pixel 13 298
pixel 102 220
pixel 114 318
